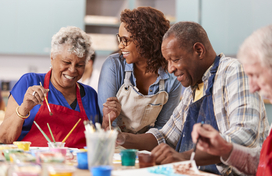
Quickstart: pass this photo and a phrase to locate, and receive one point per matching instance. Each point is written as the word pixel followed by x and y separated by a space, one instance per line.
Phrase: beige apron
pixel 139 112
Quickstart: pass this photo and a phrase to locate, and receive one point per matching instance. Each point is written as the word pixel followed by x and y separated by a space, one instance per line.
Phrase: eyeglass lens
pixel 122 39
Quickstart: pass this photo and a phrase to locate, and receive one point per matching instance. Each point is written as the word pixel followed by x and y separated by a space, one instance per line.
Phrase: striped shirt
pixel 240 115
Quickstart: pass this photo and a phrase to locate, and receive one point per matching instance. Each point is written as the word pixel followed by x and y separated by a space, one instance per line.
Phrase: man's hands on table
pixel 165 154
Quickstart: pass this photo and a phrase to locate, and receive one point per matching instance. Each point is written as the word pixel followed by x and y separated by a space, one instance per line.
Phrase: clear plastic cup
pixel 25 170
pixel 49 157
pixel 101 147
pixel 60 170
pixel 56 144
pixel 62 150
pixel 22 158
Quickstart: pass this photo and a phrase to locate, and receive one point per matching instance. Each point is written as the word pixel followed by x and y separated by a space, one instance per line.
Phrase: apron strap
pixel 127 77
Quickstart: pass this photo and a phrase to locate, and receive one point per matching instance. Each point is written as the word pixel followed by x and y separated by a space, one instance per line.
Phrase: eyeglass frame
pixel 120 40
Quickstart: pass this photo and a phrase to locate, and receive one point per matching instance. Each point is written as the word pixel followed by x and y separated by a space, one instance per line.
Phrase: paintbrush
pixel 70 131
pixel 193 153
pixel 109 120
pixel 50 112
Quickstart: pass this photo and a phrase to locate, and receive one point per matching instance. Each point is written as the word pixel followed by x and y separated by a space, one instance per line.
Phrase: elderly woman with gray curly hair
pixel 68 100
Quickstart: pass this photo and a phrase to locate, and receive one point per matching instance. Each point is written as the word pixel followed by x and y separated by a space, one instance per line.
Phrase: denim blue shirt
pixel 112 78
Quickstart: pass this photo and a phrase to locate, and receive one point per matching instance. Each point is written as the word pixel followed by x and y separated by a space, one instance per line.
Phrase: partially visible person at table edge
pixel 217 93
pixel 255 55
pixel 135 81
pixel 69 101
pixel 2 103
pixel 90 76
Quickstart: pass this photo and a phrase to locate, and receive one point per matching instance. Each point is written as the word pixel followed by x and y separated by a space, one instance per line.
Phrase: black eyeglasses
pixel 124 40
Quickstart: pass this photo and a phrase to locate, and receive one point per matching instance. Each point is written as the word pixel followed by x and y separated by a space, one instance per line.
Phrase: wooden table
pixel 117 166
pixel 81 172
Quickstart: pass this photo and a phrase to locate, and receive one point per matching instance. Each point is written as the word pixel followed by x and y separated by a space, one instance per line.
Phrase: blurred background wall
pixel 27 26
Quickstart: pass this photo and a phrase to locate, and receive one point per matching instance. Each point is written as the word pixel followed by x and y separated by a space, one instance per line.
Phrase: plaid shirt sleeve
pixel 240 115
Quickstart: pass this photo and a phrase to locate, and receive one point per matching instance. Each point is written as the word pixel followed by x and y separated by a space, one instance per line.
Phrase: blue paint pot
pixel 101 171
pixel 82 160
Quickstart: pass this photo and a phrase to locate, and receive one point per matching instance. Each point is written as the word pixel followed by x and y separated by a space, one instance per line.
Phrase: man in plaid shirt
pixel 217 94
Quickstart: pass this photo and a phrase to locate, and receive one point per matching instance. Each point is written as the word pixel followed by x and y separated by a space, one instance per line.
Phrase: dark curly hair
pixel 147 26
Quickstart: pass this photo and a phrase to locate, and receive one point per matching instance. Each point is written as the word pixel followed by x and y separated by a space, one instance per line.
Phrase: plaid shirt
pixel 240 115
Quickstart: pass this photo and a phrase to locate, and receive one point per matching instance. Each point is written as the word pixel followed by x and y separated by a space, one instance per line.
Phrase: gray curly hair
pixel 78 40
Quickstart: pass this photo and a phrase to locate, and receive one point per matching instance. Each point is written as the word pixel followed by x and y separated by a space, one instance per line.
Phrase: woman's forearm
pixel 11 128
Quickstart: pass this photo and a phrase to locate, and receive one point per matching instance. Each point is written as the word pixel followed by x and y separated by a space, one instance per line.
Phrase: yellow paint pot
pixel 22 145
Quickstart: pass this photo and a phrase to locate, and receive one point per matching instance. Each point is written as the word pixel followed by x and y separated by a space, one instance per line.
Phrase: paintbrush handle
pixel 194 150
pixel 109 120
pixel 46 137
pixel 196 144
pixel 51 132
pixel 47 102
pixel 71 131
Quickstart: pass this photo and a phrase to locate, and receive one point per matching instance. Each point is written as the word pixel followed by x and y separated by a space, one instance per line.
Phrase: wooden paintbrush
pixel 50 112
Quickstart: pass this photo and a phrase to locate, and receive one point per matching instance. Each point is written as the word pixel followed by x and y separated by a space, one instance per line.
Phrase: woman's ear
pixel 51 58
pixel 199 49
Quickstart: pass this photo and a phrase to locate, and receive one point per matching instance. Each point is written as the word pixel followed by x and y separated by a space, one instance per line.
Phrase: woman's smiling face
pixel 129 51
pixel 67 69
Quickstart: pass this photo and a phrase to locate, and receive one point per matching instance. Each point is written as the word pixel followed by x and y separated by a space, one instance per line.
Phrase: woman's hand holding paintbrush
pixel 210 141
pixel 111 110
pixel 33 96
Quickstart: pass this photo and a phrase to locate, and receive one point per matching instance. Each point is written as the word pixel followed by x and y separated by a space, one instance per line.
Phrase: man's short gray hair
pixel 187 34
pixel 257 47
pixel 77 40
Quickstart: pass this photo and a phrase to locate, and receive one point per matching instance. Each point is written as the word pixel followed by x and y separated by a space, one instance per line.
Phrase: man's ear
pixel 199 50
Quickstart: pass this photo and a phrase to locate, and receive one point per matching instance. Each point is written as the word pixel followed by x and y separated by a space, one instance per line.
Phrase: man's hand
pixel 165 154
pixel 210 141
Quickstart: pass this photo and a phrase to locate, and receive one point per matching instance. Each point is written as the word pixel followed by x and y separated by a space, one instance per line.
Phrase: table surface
pixel 81 172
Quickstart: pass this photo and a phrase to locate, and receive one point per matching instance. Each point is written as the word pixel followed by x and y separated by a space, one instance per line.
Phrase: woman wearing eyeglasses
pixel 135 89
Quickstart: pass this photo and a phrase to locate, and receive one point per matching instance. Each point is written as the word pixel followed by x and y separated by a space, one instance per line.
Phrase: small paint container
pixel 128 157
pixel 101 171
pixel 146 159
pixel 82 160
pixel 24 145
pixel 9 151
pixel 25 169
pixel 60 170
